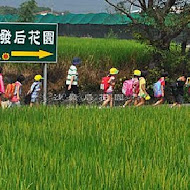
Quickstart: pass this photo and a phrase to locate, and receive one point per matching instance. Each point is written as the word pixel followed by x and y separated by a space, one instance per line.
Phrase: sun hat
pixel 147 97
pixel 114 71
pixel 76 61
pixel 38 78
pixel 137 73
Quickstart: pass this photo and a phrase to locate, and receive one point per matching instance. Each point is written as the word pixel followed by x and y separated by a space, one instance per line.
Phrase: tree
pixel 161 20
pixel 27 10
pixel 4 10
pixel 121 5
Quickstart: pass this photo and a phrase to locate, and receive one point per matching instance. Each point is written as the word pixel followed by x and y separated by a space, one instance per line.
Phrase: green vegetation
pixel 103 53
pixel 27 10
pixel 87 148
pixel 99 55
pixel 160 25
pixel 6 10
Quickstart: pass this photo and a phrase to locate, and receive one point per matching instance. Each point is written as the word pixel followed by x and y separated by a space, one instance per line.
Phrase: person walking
pixel 110 87
pixel 135 88
pixel 15 100
pixel 35 90
pixel 2 87
pixel 159 89
pixel 72 80
pixel 143 95
pixel 178 91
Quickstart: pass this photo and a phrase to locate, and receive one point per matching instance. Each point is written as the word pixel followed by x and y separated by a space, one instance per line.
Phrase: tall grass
pixel 87 148
pixel 104 52
pixel 99 53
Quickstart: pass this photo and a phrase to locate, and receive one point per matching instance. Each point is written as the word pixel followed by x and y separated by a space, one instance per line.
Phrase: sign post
pixel 29 43
pixel 45 84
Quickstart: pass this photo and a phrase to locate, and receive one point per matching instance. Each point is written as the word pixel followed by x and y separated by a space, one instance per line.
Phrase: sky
pixel 74 6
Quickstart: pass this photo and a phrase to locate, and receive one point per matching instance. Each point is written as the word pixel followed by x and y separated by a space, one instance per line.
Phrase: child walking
pixel 15 101
pixel 135 88
pixel 111 84
pixel 159 88
pixel 143 95
pixel 2 87
pixel 35 90
pixel 178 91
pixel 73 80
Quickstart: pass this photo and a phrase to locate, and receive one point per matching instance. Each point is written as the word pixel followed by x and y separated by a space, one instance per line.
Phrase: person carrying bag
pixel 32 96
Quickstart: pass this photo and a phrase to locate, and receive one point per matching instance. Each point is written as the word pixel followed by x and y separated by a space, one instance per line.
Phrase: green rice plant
pixel 104 52
pixel 87 148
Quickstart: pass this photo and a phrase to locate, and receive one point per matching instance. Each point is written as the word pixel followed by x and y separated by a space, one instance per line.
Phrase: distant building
pixel 43 13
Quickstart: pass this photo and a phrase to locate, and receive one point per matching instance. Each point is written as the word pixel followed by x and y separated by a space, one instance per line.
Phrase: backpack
pixel 127 88
pixel 28 97
pixel 104 84
pixel 1 89
pixel 10 90
pixel 136 86
pixel 157 89
pixel 1 85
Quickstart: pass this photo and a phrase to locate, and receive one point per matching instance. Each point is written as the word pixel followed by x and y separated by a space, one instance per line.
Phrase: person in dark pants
pixel 72 80
pixel 178 90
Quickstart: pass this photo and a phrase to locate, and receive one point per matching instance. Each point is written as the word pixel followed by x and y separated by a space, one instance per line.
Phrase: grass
pixel 98 53
pixel 104 52
pixel 87 148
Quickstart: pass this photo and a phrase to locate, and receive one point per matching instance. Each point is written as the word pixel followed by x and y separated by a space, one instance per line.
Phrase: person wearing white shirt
pixel 72 79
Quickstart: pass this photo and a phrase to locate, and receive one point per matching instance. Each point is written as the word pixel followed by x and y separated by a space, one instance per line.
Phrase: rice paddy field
pixel 84 148
pixel 95 53
pixel 102 53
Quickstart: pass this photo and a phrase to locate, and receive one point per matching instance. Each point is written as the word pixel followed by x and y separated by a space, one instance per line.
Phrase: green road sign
pixel 28 42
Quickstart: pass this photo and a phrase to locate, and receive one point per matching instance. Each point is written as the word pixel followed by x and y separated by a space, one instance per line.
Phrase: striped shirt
pixel 72 72
pixel 36 89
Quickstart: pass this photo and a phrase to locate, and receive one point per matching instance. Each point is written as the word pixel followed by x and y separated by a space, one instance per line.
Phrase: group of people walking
pixel 12 92
pixel 134 89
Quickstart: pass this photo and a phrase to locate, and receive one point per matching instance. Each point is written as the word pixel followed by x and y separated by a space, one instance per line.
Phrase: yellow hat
pixel 114 71
pixel 137 73
pixel 147 97
pixel 38 77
